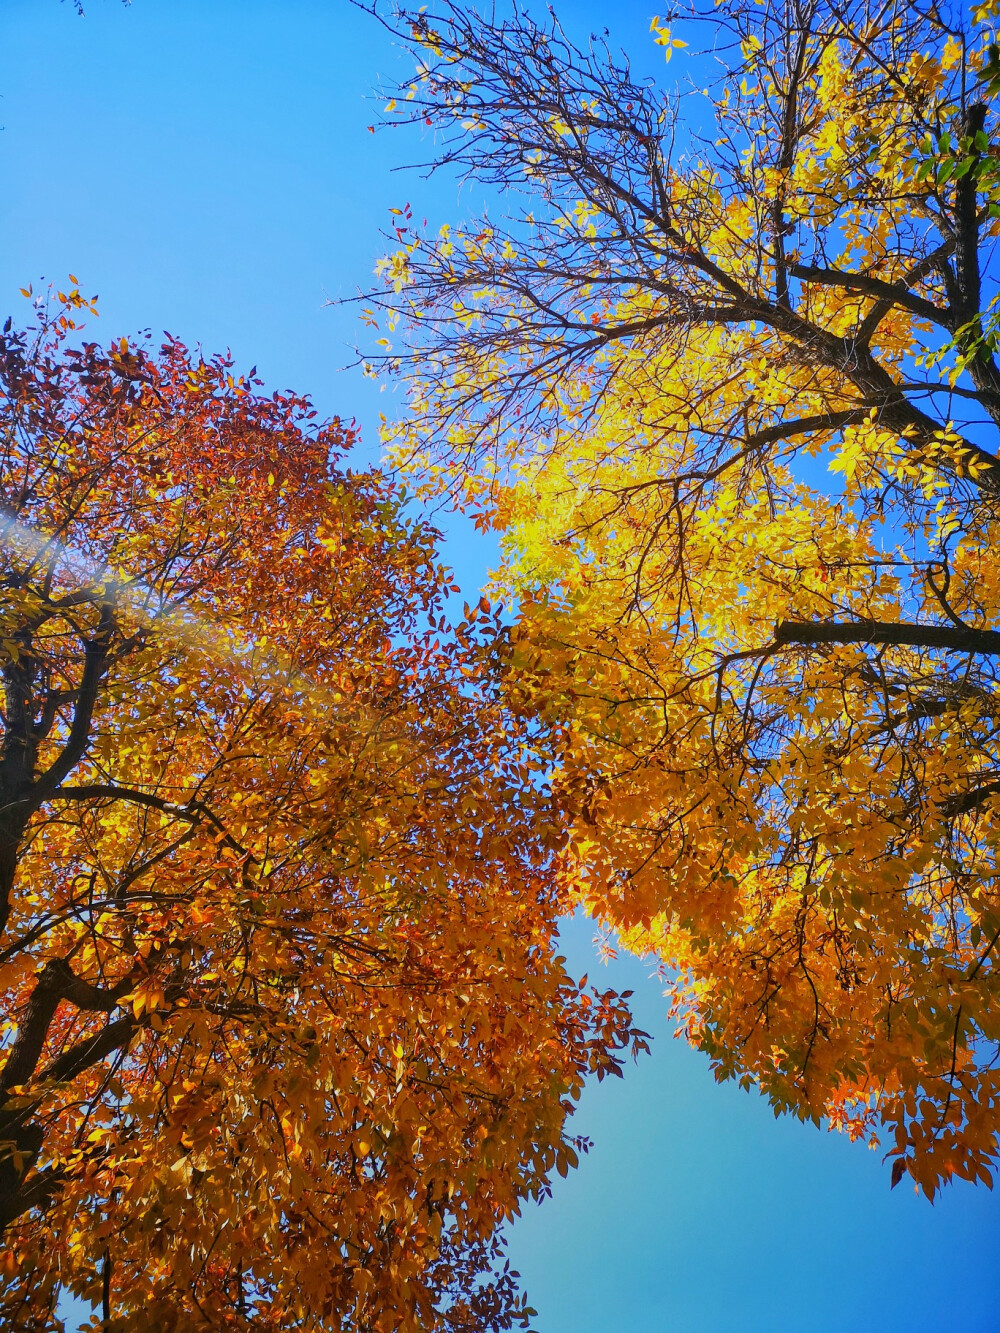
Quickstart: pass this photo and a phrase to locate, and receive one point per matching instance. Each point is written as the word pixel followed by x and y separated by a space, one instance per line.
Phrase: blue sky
pixel 205 166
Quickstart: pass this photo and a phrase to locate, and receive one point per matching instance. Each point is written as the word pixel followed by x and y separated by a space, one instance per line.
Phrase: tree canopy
pixel 728 386
pixel 285 1037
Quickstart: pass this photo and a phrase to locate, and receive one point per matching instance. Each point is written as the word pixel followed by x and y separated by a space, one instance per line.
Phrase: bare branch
pixel 947 637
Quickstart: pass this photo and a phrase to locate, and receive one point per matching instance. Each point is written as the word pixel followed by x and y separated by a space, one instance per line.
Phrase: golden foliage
pixel 732 398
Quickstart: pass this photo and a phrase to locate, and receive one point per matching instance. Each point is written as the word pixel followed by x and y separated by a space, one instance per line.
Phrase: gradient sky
pixel 204 165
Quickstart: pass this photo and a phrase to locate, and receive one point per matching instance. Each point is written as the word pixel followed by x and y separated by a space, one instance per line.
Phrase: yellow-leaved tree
pixel 728 386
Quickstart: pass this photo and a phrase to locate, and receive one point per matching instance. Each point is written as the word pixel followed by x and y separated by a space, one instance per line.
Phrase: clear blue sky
pixel 204 165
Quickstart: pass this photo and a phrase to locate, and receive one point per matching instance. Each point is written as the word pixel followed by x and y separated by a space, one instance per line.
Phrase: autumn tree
pixel 728 384
pixel 284 1035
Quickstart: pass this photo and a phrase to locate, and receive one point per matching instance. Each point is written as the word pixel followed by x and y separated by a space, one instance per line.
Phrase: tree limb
pixel 91 1050
pixel 893 292
pixel 56 982
pixel 948 637
pixel 965 801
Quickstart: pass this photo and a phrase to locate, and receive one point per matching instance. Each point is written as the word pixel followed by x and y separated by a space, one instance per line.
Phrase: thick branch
pixel 923 710
pixel 91 1050
pixel 22 796
pixel 56 982
pixel 786 159
pixel 948 637
pixel 18 1196
pixel 192 811
pixel 784 430
pixel 967 230
pixel 894 292
pixel 94 666
pixel 967 296
pixel 969 800
pixel 133 795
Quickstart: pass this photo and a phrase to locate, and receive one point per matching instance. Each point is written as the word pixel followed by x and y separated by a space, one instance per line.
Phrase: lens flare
pixel 168 620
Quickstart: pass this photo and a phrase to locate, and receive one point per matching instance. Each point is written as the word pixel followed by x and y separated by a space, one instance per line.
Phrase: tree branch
pixel 893 292
pixel 965 801
pixel 134 795
pixel 95 662
pixel 92 1049
pixel 784 430
pixel 56 982
pixel 947 637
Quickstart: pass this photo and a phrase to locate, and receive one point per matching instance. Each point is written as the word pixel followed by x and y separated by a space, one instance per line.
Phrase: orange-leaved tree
pixel 285 1039
pixel 729 384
